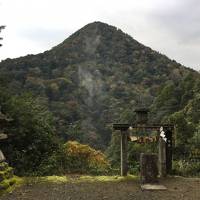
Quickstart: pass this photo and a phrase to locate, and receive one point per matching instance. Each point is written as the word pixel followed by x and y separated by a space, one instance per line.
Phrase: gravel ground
pixel 177 189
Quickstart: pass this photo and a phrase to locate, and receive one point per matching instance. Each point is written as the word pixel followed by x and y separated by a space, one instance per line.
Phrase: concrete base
pixel 153 187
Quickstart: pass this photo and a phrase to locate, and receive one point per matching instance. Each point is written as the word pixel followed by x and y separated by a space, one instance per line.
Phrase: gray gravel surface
pixel 178 189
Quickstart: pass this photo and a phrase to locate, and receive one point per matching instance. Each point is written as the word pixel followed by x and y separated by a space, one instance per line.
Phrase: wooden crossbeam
pixel 156 127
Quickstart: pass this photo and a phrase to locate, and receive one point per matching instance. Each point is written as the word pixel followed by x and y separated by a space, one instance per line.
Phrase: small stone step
pixel 153 187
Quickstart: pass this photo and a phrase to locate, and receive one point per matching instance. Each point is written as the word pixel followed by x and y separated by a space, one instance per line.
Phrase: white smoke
pixel 92 82
pixel 91 44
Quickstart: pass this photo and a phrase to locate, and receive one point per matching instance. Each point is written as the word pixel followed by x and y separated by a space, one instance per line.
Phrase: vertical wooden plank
pixel 169 151
pixel 124 143
pixel 162 157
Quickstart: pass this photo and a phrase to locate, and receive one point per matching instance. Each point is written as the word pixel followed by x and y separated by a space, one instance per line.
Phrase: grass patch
pixel 46 179
pixel 15 182
pixel 9 185
pixel 76 179
pixel 106 178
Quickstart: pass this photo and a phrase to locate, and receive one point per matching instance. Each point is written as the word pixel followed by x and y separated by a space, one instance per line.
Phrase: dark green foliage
pixel 74 157
pixel 96 76
pixel 186 168
pixel 174 97
pixel 113 151
pixel 31 137
pixel 6 177
pixel 182 110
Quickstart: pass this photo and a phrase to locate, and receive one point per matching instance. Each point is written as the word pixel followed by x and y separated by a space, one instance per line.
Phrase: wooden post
pixel 124 167
pixel 162 157
pixel 169 152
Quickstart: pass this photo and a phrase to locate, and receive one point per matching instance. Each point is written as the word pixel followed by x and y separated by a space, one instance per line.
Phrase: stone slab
pixel 148 168
pixel 3 136
pixel 2 157
pixel 153 187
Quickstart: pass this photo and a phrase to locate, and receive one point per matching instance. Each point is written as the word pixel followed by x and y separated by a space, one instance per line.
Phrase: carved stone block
pixel 148 168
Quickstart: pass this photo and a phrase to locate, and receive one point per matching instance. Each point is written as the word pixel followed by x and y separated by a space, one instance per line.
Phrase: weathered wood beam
pixel 124 146
pixel 124 127
pixel 162 157
pixel 121 127
pixel 169 153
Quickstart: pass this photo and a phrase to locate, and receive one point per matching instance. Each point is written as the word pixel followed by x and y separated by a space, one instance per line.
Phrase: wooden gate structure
pixel 164 137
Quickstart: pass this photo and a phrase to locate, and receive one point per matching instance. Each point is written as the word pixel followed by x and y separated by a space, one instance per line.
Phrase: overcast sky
pixel 171 27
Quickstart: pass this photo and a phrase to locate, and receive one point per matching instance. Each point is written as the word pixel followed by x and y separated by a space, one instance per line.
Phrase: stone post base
pixel 148 168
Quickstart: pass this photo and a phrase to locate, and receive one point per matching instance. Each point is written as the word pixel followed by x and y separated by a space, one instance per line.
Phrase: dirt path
pixel 178 189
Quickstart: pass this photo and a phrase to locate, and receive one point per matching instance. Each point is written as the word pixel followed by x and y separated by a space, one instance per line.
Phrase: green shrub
pixel 186 168
pixel 31 133
pixel 74 157
pixel 84 159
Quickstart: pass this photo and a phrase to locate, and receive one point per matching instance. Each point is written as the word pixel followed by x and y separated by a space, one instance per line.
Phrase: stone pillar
pixel 148 168
pixel 124 143
pixel 162 157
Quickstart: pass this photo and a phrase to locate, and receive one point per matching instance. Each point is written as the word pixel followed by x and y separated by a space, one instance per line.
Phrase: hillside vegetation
pixel 97 76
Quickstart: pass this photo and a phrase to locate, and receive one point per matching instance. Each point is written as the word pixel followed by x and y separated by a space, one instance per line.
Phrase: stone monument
pixel 6 172
pixel 148 168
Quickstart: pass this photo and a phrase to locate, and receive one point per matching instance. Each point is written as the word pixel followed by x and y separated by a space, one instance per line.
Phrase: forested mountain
pixel 97 76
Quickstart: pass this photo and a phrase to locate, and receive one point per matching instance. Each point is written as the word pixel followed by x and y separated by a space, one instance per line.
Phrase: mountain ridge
pixel 96 75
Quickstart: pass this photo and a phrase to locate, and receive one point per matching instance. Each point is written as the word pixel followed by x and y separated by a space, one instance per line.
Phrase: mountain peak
pixel 97 40
pixel 98 24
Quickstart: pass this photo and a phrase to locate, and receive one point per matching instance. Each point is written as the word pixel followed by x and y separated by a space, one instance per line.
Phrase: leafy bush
pixel 134 167
pixel 186 168
pixel 74 157
pixel 31 137
pixel 84 159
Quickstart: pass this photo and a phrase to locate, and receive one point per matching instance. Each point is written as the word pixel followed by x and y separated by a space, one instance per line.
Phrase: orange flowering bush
pixel 84 159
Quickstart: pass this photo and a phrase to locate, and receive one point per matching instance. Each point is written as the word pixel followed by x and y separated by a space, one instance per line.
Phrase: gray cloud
pixel 182 21
pixel 44 37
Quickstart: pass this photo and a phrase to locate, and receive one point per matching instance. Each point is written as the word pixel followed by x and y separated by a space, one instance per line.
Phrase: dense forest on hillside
pixel 76 90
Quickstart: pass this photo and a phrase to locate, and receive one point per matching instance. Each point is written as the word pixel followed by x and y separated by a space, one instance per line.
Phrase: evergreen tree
pixel 31 137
